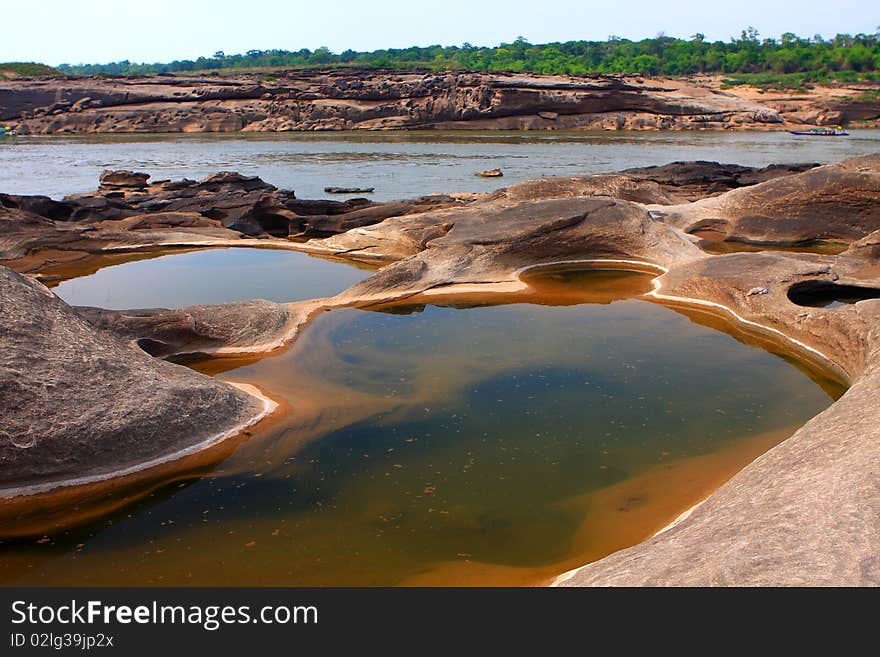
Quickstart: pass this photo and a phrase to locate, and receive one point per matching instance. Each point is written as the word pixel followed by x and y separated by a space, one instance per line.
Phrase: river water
pixel 398 165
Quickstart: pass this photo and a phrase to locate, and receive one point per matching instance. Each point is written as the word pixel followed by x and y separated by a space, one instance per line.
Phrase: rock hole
pixel 711 230
pixel 153 347
pixel 275 225
pixel 824 294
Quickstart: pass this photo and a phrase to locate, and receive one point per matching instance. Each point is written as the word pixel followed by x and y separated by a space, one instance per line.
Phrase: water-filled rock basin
pixel 176 280
pixel 474 444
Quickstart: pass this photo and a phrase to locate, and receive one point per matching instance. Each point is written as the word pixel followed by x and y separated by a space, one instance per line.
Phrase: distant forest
pixel 844 57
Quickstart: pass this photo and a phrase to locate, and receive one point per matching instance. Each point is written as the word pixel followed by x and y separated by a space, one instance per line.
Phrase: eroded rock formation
pixel 373 99
pixel 804 513
pixel 80 403
pixel 839 203
pixel 128 212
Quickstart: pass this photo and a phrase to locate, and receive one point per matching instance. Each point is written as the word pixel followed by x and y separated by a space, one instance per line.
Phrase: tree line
pixel 843 56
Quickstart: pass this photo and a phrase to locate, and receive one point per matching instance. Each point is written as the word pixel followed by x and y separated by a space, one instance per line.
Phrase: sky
pixel 100 31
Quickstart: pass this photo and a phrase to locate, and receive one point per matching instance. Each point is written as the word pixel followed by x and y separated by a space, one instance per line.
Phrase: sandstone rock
pixel 79 402
pixel 698 179
pixel 39 205
pixel 809 527
pixel 124 180
pixel 306 207
pixel 481 243
pixel 371 99
pixel 237 325
pixel 833 202
pixel 22 231
pixel 224 206
pixel 618 186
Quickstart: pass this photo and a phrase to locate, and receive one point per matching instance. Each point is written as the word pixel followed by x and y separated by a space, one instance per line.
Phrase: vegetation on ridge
pixel 662 55
pixel 26 69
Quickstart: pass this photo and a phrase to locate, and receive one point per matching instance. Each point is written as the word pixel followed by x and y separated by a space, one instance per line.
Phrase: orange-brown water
pixel 722 247
pixel 438 445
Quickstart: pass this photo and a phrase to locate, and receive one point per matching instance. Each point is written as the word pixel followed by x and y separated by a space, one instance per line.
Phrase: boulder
pixel 839 202
pixel 123 179
pixel 81 403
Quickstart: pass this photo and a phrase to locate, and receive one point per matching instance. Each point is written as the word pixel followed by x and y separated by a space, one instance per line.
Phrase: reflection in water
pixel 211 276
pixel 723 247
pixel 825 294
pixel 436 445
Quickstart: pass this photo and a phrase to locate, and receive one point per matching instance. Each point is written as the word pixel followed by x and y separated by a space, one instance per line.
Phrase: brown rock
pixel 693 180
pixel 833 202
pixel 240 324
pixel 370 99
pixel 123 180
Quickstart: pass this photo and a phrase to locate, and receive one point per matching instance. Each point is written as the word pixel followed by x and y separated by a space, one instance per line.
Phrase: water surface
pixel 211 276
pixel 455 445
pixel 399 164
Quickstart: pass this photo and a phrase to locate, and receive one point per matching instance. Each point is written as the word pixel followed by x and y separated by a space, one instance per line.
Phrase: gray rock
pixel 80 402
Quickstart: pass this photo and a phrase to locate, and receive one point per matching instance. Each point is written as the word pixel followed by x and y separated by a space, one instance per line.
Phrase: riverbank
pixel 376 99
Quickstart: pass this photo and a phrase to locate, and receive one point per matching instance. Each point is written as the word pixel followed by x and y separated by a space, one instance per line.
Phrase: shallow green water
pixel 468 445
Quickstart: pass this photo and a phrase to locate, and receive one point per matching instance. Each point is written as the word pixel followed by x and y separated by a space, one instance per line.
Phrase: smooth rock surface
pixel 80 402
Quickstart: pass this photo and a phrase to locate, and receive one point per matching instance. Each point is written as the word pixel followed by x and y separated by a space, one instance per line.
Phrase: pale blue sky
pixel 91 31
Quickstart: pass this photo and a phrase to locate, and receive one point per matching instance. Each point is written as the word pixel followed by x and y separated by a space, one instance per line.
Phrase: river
pixel 398 165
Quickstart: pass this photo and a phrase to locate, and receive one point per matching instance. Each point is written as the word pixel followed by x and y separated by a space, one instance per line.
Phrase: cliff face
pixel 371 99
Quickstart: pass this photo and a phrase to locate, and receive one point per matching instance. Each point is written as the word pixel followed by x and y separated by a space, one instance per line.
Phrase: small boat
pixel 6 132
pixel 821 132
pixel 349 190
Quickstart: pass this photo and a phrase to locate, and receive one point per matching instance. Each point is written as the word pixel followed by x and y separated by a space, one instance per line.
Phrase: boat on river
pixel 821 132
